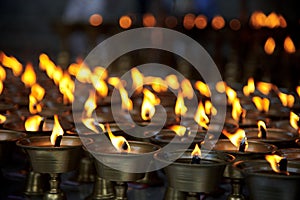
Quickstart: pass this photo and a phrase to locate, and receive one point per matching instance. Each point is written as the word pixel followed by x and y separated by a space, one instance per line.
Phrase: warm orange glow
pixel 149 20
pixel 171 21
pixel 221 86
pixel 119 142
pixel 84 74
pixel 179 130
pixel 272 20
pixel 196 151
pixel 274 162
pixel 57 75
pixel 261 124
pixel 237 137
pixel 90 123
pixel 32 123
pixel 294 120
pixel 172 81
pixel 29 76
pixel 56 131
pixel 249 88
pixel 282 21
pixel 209 108
pixel 2 119
pixel 47 65
pixel 100 86
pixel 262 104
pixel 12 63
pixel 114 81
pixel 237 110
pixel 258 19
pixel 90 104
pixel 34 105
pixel 201 21
pixel 200 116
pixel 298 90
pixel 287 100
pixel 38 92
pixel 157 83
pixel 1 87
pixel 288 45
pixel 264 88
pixel 2 73
pixel 66 87
pixel 187 89
pixel 148 105
pixel 125 22
pixel 218 22
pixel 95 20
pixel 73 68
pixel 189 21
pixel 270 46
pixel 231 95
pixel 235 24
pixel 180 108
pixel 202 88
pixel 137 80
pixel 126 101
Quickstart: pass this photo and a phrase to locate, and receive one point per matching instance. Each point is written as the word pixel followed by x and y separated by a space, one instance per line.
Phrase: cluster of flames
pixel 100 80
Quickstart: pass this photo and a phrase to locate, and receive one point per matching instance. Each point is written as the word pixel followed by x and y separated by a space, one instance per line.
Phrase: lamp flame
pixel 209 108
pixel 196 151
pixel 148 105
pixel 274 161
pixel 180 108
pixel 262 104
pixel 203 88
pixel 119 142
pixel 33 123
pixel 12 63
pixel 200 117
pixel 180 130
pixel 261 128
pixel 288 45
pixel 56 131
pixel 90 104
pixel 249 88
pixel 237 110
pixel 137 80
pixel 2 119
pixel 237 137
pixel 187 89
pixel 91 123
pixel 294 120
pixel 231 94
pixel 172 81
pixel 29 76
pixel 287 100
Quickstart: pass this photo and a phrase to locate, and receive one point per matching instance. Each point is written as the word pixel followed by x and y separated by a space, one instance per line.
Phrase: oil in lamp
pixel 243 149
pixel 118 163
pixel 279 137
pixel 192 171
pixel 53 155
pixel 273 178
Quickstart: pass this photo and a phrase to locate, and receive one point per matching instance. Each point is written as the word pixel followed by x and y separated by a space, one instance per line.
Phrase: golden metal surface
pixel 102 190
pixel 35 184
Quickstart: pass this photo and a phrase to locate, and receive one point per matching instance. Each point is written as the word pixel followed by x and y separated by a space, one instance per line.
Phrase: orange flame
pixel 137 80
pixel 125 22
pixel 231 95
pixel 221 86
pixel 187 89
pixel 100 86
pixel 196 151
pixel 274 162
pixel 90 104
pixel 126 101
pixel 47 65
pixel 262 104
pixel 249 88
pixel 12 63
pixel 57 75
pixel 272 20
pixel 56 131
pixel 261 124
pixel 203 88
pixel 32 123
pixel 157 83
pixel 66 87
pixel 237 110
pixel 34 105
pixel 180 108
pixel 84 74
pixel 90 123
pixel 148 105
pixel 287 100
pixel 270 46
pixel 38 91
pixel 264 88
pixel 2 119
pixel 209 108
pixel 298 90
pixel 118 141
pixel 179 130
pixel 294 119
pixel 218 22
pixel 29 76
pixel 237 137
pixel 2 73
pixel 172 81
pixel 200 116
pixel 1 87
pixel 288 45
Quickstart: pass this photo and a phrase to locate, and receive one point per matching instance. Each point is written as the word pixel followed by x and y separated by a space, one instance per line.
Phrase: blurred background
pixel 244 37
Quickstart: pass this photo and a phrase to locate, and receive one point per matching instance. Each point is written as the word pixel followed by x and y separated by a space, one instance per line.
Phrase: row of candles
pixel 261 122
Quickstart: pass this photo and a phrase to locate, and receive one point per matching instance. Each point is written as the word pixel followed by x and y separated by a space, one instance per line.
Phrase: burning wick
pixel 196 155
pixel 262 129
pixel 58 141
pixel 243 145
pixel 41 125
pixel 263 132
pixel 283 165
